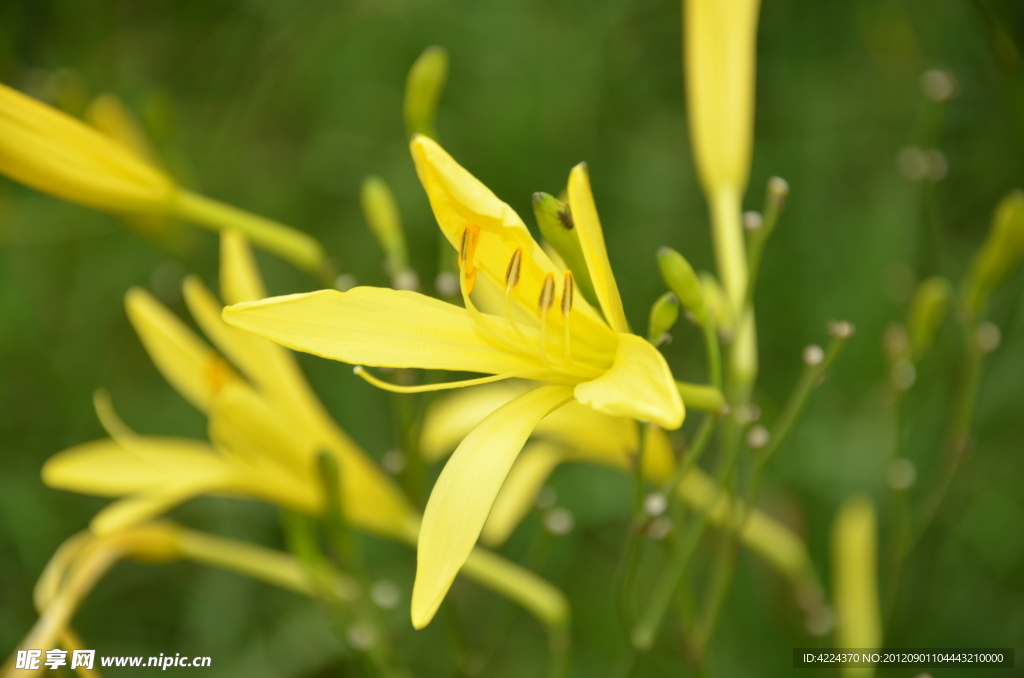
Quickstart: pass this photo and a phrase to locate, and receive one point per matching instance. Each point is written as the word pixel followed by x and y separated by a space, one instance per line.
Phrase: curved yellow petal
pixel 639 385
pixel 244 426
pixel 240 279
pixel 378 327
pixel 465 491
pixel 452 416
pixel 190 365
pixel 57 154
pixel 131 511
pixel 582 429
pixel 588 226
pixel 518 494
pixel 459 199
pixel 107 469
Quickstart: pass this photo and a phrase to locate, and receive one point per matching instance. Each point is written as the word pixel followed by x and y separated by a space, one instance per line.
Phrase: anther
pixel 512 272
pixel 467 252
pixel 568 290
pixel 547 295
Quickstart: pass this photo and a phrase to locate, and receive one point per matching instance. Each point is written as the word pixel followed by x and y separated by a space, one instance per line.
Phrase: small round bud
pixel 361 636
pixel 559 521
pixel 345 282
pixel 901 474
pixel 748 413
pixel 385 594
pixel 655 504
pixel 659 528
pixel 813 355
pixel 778 188
pixel 988 337
pixel 913 164
pixel 938 166
pixel 903 374
pixel 663 316
pixel 407 280
pixel 841 329
pixel 896 342
pixel 758 437
pixel 820 622
pixel 752 220
pixel 547 497
pixel 447 284
pixel 393 462
pixel 938 84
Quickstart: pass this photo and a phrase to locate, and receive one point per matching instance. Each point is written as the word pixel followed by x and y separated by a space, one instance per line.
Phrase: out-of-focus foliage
pixel 283 108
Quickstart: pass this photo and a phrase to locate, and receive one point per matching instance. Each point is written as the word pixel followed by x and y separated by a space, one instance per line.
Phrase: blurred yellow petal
pixel 452 416
pixel 242 424
pixel 106 468
pixel 379 327
pixel 109 115
pixel 518 494
pixel 855 578
pixel 584 215
pixel 639 385
pixel 465 491
pixel 240 278
pixel 54 153
pixel 659 459
pixel 192 368
pixel 137 509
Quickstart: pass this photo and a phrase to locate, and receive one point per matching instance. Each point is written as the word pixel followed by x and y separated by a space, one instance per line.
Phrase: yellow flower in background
pixel 546 334
pixel 855 579
pixel 107 169
pixel 267 428
pixel 579 434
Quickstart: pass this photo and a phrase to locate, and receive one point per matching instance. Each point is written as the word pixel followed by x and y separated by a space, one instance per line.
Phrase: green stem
pixel 288 243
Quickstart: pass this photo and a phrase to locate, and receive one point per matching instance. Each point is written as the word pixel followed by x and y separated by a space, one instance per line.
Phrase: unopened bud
pixel 680 278
pixel 901 474
pixel 655 504
pixel 999 255
pixel 775 200
pixel 903 375
pixel 559 521
pixel 717 303
pixel 381 213
pixel 841 329
pixel 988 337
pixel 928 309
pixel 700 397
pixel 758 437
pixel 813 355
pixel 938 84
pixel 554 219
pixel 345 282
pixel 423 89
pixel 752 220
pixel 896 342
pixel 664 314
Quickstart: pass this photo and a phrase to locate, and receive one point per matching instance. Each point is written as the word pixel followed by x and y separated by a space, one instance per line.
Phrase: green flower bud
pixel 928 309
pixel 554 219
pixel 999 255
pixel 717 303
pixel 381 213
pixel 423 90
pixel 680 278
pixel 664 313
pixel 701 397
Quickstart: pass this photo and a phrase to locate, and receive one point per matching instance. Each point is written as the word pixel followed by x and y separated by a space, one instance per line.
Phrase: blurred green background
pixel 283 107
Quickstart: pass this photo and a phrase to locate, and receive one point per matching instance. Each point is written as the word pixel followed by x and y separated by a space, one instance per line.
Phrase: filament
pixel 443 386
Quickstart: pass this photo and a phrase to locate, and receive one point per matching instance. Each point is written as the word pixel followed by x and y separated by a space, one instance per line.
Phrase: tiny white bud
pixel 407 280
pixel 547 497
pixel 813 355
pixel 896 341
pixel 655 504
pixel 913 163
pixel 752 220
pixel 393 462
pixel 758 437
pixel 447 284
pixel 903 374
pixel 778 187
pixel 345 282
pixel 901 474
pixel 841 329
pixel 559 521
pixel 938 166
pixel 820 622
pixel 748 413
pixel 938 84
pixel 659 528
pixel 385 594
pixel 988 337
pixel 361 636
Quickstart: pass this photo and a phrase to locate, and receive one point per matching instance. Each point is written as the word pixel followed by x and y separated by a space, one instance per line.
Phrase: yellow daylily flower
pixel 267 428
pixel 546 334
pixel 107 169
pixel 579 434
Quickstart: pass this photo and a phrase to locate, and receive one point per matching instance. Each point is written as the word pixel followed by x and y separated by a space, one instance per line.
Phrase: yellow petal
pixel 54 153
pixel 588 226
pixel 639 385
pixel 192 368
pixel 106 468
pixel 580 428
pixel 855 576
pixel 465 491
pixel 242 424
pixel 109 115
pixel 659 460
pixel 459 199
pixel 140 508
pixel 240 279
pixel 379 327
pixel 518 494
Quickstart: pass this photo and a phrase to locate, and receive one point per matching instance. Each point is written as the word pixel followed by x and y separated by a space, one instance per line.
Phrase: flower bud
pixel 999 255
pixel 664 314
pixel 855 580
pixel 717 304
pixel 701 397
pixel 680 278
pixel 381 213
pixel 928 309
pixel 423 89
pixel 554 219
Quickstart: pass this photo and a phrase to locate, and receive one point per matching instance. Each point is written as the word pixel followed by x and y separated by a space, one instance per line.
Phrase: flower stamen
pixel 568 290
pixel 467 253
pixel 544 304
pixel 442 386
